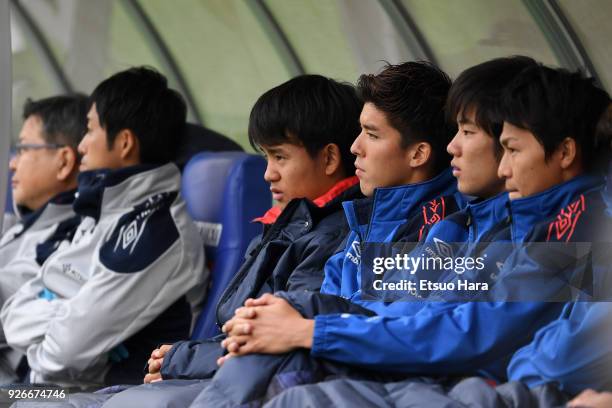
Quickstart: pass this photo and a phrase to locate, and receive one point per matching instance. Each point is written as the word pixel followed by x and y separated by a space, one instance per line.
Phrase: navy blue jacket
pixel 290 255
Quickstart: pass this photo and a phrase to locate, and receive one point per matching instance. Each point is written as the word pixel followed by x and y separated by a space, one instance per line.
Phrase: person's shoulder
pixel 584 219
pixel 142 235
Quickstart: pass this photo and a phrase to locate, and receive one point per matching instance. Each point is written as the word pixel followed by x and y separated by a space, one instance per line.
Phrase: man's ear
pixel 567 152
pixel 128 147
pixel 419 154
pixel 67 163
pixel 332 159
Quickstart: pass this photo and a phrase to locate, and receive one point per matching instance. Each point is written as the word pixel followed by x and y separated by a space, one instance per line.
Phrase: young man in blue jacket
pixel 550 165
pixel 573 352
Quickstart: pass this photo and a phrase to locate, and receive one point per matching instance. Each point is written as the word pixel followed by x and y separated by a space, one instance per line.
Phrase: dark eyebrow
pixel 274 150
pixel 465 121
pixel 505 141
pixel 369 127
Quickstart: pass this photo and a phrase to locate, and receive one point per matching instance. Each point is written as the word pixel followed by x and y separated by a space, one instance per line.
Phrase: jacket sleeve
pixel 311 304
pixel 192 359
pixel 15 274
pixel 107 310
pixel 574 351
pixel 25 264
pixel 26 316
pixel 442 338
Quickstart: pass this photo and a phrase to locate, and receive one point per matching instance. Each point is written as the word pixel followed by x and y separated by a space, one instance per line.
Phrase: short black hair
pixel 478 89
pixel 554 104
pixel 140 100
pixel 63 117
pixel 308 110
pixel 413 95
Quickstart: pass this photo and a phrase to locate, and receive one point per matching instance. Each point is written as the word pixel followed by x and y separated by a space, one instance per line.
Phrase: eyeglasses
pixel 24 147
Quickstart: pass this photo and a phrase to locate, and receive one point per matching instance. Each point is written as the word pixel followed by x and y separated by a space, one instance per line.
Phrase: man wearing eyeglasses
pixel 45 170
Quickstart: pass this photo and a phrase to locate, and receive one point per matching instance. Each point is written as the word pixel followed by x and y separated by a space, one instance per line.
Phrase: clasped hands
pixel 268 324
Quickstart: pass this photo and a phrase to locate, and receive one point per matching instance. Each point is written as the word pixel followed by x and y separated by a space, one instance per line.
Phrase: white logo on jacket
pixel 356 248
pixel 443 249
pixel 69 271
pixel 130 235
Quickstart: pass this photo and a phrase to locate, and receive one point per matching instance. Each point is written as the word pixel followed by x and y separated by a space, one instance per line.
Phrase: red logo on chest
pixel 562 228
pixel 433 211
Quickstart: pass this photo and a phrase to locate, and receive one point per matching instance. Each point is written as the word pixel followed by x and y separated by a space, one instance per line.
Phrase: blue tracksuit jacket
pixel 447 338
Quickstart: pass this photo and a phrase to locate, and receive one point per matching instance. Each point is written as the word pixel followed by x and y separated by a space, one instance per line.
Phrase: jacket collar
pixel 51 213
pixel 103 191
pixel 487 213
pixel 337 190
pixel 526 212
pixel 393 204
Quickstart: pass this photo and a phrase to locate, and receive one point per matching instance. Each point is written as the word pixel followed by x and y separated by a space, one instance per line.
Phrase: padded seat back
pixel 224 192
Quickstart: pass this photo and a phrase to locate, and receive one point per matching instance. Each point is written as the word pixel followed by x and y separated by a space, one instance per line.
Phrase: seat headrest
pixel 205 180
pixel 196 139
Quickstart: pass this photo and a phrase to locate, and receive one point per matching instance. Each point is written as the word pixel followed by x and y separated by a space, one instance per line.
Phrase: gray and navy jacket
pixel 288 256
pixel 106 297
pixel 25 246
pixel 8 221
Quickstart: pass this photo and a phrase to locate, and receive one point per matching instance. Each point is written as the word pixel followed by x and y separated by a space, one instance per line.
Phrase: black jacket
pixel 288 256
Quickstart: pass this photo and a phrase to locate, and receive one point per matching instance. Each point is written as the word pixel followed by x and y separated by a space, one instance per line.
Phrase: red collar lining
pixel 272 214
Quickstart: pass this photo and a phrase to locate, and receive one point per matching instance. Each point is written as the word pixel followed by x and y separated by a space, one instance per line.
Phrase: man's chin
pixel 366 190
pixel 84 167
